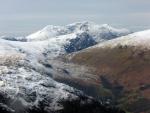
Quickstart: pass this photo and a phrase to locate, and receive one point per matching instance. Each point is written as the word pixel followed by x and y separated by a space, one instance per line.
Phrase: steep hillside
pixel 123 66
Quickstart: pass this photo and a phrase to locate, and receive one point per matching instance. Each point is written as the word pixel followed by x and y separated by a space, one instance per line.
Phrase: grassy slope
pixel 126 69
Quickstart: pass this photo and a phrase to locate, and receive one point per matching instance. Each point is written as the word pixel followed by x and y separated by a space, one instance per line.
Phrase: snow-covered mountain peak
pixel 107 26
pixel 51 31
pixel 81 23
pixel 84 26
pixel 98 32
pixel 52 27
pixel 47 32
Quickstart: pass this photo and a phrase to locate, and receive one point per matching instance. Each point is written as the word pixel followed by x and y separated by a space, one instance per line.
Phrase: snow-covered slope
pixel 23 84
pixel 26 84
pixel 53 41
pixel 141 39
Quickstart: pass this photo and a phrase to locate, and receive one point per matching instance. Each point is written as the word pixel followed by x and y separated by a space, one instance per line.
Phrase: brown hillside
pixel 125 67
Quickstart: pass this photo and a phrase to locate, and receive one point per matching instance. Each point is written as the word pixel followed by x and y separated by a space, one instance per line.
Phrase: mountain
pixel 98 32
pixel 53 41
pixel 122 66
pixel 33 75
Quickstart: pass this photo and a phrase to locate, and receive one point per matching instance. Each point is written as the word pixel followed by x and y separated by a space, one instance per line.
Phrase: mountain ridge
pixel 51 31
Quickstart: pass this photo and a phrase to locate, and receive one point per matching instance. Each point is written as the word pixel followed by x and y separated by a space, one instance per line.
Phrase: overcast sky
pixel 26 16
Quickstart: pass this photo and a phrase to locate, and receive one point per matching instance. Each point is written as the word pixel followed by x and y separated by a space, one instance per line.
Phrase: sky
pixel 22 17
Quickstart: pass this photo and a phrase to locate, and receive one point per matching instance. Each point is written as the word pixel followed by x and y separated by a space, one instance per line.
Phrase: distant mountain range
pixel 70 38
pixel 98 32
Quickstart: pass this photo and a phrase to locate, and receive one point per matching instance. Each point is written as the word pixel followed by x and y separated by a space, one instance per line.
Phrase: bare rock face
pixel 82 41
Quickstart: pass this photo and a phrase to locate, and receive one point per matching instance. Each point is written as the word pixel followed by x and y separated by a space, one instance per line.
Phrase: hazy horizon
pixel 22 17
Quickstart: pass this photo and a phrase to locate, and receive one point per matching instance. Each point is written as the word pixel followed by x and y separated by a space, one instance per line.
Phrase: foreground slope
pixel 123 66
pixel 26 85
